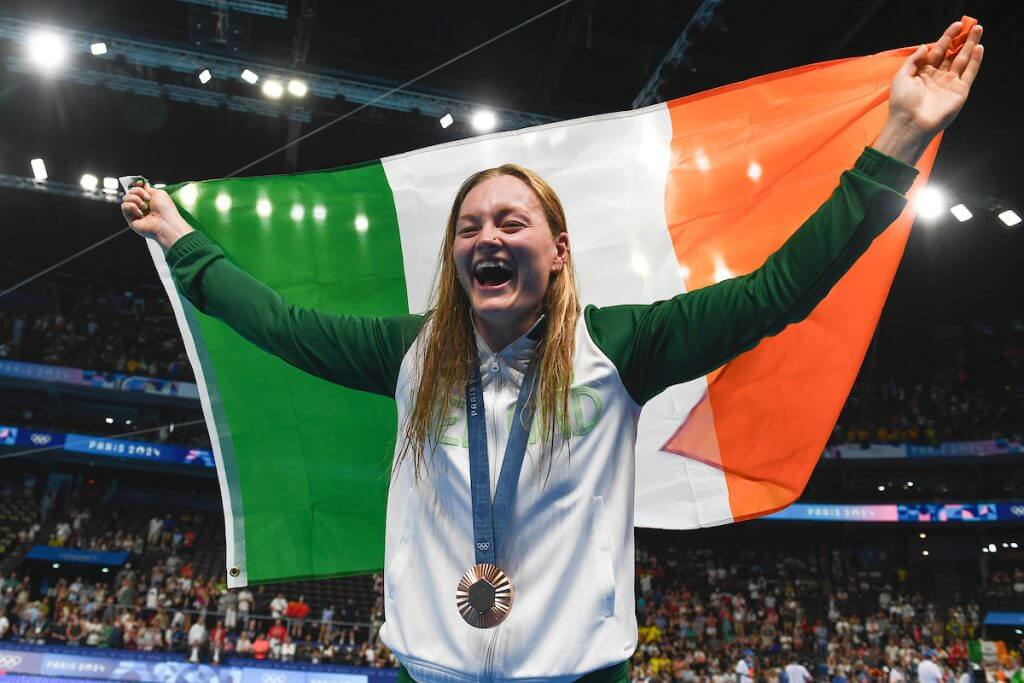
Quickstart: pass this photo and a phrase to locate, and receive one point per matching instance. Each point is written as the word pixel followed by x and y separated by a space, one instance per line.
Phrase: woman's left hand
pixel 928 92
pixel 930 88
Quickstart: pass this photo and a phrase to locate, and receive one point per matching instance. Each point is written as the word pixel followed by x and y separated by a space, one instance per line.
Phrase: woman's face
pixel 505 254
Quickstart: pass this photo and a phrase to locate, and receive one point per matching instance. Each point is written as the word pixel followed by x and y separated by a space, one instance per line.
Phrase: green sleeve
pixel 362 353
pixel 670 342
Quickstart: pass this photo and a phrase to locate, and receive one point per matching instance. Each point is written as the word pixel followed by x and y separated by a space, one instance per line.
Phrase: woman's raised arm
pixel 362 353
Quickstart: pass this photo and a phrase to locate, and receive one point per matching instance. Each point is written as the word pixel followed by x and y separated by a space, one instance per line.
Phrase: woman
pixel 496 570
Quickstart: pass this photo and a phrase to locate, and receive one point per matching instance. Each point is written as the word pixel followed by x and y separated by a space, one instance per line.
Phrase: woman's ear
pixel 561 251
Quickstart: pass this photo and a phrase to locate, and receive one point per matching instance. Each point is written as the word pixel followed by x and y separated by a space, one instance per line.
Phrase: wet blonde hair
pixel 446 353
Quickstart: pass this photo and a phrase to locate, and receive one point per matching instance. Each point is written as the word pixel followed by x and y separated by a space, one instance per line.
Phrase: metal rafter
pixel 276 9
pixel 188 61
pixel 15 182
pixel 700 19
pixel 300 48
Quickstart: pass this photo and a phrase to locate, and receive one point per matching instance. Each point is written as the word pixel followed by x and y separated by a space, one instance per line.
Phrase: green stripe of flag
pixel 307 461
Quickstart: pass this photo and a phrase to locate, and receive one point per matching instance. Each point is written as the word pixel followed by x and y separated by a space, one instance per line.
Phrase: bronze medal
pixel 484 596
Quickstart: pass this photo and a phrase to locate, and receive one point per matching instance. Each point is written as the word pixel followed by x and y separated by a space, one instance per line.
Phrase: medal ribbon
pixel 490 520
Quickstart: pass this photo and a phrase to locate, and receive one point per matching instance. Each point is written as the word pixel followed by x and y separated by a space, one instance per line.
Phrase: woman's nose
pixel 489 236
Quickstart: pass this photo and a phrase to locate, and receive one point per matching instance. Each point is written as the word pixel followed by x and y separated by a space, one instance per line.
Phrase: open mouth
pixel 492 273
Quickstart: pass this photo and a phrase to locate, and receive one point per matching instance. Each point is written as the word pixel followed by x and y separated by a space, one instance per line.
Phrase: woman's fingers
pixel 971 70
pixel 131 210
pixel 964 57
pixel 141 192
pixel 137 202
pixel 938 51
pixel 912 63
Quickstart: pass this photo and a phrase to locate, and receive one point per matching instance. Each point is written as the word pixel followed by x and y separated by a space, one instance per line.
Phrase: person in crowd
pixel 218 640
pixel 261 646
pixel 744 668
pixel 243 646
pixel 196 640
pixel 927 670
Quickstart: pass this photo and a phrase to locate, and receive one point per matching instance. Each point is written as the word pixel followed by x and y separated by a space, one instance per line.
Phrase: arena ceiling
pixel 587 57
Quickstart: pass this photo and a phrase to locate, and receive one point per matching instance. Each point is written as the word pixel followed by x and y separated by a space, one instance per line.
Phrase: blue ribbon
pixel 491 520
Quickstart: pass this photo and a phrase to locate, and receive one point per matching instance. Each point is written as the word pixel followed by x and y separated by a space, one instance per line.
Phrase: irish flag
pixel 660 200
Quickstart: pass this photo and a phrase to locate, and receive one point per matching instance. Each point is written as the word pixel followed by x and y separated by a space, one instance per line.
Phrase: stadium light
pixel 110 185
pixel 923 535
pixel 961 213
pixel 925 553
pixel 984 548
pixel 297 88
pixel 263 208
pixel 1013 545
pixel 205 76
pixel 484 120
pixel 930 203
pixel 991 547
pixel 362 223
pixel 447 120
pixel 98 49
pixel 881 487
pixel 273 89
pixel 109 420
pixel 249 77
pixel 47 50
pixel 39 169
pixel 89 182
pixel 1009 217
pixel 910 484
pixel 106 570
pixel 56 565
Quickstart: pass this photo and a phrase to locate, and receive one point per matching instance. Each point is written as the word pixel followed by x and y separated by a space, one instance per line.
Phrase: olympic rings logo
pixel 272 678
pixel 483 545
pixel 1017 510
pixel 9 661
pixel 41 439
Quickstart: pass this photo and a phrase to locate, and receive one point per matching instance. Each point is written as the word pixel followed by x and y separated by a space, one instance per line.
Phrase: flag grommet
pixel 234 571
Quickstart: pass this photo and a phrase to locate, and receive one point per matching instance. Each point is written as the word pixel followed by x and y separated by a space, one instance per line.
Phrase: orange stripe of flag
pixel 749 163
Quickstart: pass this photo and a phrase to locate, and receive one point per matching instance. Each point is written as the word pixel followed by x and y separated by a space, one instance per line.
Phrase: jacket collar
pixel 521 349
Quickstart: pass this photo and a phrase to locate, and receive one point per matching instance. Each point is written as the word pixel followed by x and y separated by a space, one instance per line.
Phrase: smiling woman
pixel 509 242
pixel 495 571
pixel 505 261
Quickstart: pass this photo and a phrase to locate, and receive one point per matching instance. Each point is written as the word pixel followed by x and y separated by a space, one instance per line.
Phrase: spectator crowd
pixel 704 615
pixel 94 329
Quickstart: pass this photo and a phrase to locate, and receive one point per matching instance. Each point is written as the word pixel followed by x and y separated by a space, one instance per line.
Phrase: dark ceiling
pixel 585 58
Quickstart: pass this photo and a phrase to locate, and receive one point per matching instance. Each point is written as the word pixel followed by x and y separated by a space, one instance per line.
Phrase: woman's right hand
pixel 151 213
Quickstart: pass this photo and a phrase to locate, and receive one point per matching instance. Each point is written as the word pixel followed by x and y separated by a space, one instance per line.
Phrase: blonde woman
pixel 501 570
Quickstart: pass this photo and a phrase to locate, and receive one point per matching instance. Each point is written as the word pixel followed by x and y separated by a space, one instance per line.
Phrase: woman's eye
pixel 512 224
